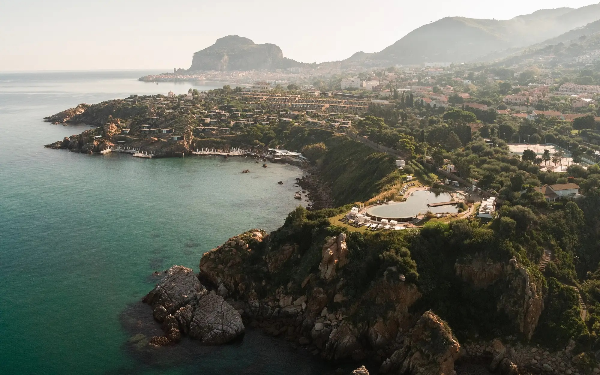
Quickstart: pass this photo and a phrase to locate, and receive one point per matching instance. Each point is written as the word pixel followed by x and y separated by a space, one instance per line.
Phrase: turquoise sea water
pixel 80 236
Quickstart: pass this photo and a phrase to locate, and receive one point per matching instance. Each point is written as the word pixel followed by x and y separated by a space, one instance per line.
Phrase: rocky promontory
pixel 340 296
pixel 238 53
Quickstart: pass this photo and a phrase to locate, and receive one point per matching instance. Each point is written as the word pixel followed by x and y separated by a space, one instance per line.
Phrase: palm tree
pixel 556 159
pixel 546 157
pixel 560 155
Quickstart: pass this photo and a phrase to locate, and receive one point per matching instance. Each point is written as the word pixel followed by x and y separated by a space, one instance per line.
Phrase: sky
pixel 151 34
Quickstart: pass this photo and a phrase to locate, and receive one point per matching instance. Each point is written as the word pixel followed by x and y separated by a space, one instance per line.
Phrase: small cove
pixel 83 234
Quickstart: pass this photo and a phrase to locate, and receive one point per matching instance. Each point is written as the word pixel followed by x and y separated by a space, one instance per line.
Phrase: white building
pixel 487 208
pixel 571 88
pixel 368 85
pixel 438 64
pixel 400 163
pixel 352 83
pixel 450 168
pixel 517 99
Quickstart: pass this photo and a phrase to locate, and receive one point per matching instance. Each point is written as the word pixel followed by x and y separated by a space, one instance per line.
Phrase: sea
pixel 81 236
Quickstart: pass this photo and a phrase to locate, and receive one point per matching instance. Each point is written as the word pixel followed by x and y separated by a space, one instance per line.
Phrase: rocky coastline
pixel 319 192
pixel 249 275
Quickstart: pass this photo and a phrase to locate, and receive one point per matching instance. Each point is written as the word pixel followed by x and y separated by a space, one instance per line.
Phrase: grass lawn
pixel 336 221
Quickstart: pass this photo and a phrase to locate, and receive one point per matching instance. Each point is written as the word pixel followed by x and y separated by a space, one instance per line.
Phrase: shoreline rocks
pixel 185 307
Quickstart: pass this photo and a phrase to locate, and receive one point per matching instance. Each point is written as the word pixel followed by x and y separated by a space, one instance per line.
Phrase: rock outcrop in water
pixel 185 307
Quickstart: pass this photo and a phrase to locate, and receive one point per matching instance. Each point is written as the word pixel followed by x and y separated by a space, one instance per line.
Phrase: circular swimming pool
pixel 417 204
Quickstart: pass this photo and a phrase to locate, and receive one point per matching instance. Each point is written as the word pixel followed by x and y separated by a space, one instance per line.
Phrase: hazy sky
pixel 141 34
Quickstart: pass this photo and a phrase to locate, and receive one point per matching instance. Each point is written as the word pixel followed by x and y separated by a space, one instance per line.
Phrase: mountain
pixel 451 39
pixel 237 53
pixel 460 39
pixel 576 47
pixel 580 33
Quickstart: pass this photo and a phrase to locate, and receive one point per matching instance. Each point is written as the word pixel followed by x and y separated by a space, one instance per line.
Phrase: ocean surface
pixel 81 235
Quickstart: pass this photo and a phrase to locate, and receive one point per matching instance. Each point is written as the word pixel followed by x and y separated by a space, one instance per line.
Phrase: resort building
pixel 570 88
pixel 487 208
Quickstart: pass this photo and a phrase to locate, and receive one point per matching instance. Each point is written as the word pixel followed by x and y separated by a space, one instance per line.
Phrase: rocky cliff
pixel 315 305
pixel 237 53
pixel 520 292
pixel 352 296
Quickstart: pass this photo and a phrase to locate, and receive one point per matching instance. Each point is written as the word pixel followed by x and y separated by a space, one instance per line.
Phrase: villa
pixel 554 192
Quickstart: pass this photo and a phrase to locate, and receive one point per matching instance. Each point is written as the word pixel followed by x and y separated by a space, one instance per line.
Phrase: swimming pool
pixel 416 204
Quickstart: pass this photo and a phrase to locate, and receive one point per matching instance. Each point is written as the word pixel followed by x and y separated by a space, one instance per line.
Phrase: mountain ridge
pixel 461 39
pixel 449 40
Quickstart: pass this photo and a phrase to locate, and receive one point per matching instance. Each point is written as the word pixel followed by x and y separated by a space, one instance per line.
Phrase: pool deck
pixel 419 216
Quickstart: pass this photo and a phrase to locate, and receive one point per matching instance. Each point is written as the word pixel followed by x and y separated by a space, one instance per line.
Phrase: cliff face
pixel 352 296
pixel 521 297
pixel 315 309
pixel 429 348
pixel 237 53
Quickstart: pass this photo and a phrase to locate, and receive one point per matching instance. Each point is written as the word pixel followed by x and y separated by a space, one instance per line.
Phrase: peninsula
pixel 443 246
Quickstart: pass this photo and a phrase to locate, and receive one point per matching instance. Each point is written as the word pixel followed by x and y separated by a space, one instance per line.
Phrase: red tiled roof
pixel 559 187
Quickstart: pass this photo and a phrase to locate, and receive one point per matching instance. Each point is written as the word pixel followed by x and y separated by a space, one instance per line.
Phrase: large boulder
pixel 178 288
pixel 215 321
pixel 184 306
pixel 362 370
pixel 429 348
pixel 343 343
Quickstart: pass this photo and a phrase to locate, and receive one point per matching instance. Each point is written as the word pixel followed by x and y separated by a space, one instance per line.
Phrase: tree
pixel 524 217
pixel 535 139
pixel 504 88
pixel 585 122
pixel 453 142
pixel 293 87
pixel 505 131
pixel 458 116
pixel 546 157
pixel 577 155
pixel 315 151
pixel 371 122
pixel 406 144
pixel 529 155
pixel 556 159
pixel 455 99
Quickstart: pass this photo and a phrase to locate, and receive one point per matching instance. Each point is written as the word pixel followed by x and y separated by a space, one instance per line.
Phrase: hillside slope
pixel 459 39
